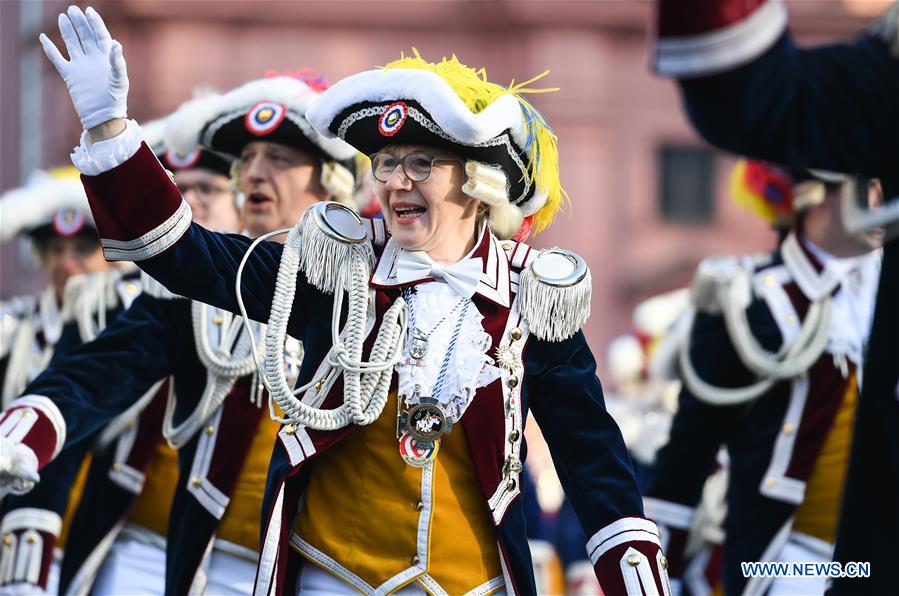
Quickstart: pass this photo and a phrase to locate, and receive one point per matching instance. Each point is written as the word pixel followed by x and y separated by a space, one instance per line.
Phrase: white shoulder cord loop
pixel 365 383
pixel 18 365
pixel 123 421
pixel 23 362
pixel 712 394
pixel 237 364
pixel 96 297
pixel 789 362
pixel 222 371
pixel 51 318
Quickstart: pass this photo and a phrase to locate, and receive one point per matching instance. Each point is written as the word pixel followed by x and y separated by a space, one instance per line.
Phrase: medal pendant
pixel 418 345
pixel 415 456
pixel 426 422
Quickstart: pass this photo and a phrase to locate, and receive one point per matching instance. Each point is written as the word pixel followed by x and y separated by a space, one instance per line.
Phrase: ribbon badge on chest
pixel 420 429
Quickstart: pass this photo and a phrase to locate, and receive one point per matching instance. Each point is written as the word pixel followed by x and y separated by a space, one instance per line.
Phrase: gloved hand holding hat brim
pixel 95 72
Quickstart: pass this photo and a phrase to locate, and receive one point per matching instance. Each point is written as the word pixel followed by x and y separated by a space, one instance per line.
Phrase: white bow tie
pixel 463 277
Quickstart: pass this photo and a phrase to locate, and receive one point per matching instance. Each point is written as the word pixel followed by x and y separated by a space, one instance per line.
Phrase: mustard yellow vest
pixel 363 506
pixel 819 512
pixel 155 501
pixel 74 500
pixel 240 524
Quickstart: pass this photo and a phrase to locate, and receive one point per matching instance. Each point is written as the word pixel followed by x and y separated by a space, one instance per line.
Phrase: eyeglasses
pixel 79 246
pixel 417 166
pixel 205 192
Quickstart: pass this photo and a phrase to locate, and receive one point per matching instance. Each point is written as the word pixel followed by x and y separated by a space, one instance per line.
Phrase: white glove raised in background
pixel 95 72
pixel 18 468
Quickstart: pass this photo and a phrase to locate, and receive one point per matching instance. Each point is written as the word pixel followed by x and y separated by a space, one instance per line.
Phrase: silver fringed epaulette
pixel 714 273
pixel 153 288
pixel 85 293
pixel 554 294
pixel 330 233
pixel 93 292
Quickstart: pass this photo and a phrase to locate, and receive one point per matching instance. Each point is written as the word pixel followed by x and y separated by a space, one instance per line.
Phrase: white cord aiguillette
pixel 790 361
pixel 222 371
pixel 334 266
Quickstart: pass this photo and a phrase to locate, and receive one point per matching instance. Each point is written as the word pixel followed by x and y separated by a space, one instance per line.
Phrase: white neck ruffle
pixel 469 367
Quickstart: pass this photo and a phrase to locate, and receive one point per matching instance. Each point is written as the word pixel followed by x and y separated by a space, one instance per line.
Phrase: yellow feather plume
pixel 64 173
pixel 473 88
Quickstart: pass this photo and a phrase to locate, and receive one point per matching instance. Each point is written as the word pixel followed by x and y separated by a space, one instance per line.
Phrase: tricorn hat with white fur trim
pixel 51 203
pixel 452 106
pixel 154 136
pixel 268 109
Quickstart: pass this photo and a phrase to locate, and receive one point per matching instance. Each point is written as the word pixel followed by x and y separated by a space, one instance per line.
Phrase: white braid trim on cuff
pixel 627 529
pixel 154 242
pixel 42 520
pixel 722 49
pixel 46 407
pixel 92 159
pixel 673 515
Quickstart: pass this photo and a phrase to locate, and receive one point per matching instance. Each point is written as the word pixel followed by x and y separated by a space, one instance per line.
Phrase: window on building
pixel 686 183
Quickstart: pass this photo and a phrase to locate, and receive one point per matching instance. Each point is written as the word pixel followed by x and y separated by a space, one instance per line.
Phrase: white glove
pixel 95 72
pixel 18 468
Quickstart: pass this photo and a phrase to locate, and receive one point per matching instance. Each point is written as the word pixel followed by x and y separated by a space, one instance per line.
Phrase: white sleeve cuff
pixel 723 49
pixel 92 159
pixel 626 529
pixel 668 513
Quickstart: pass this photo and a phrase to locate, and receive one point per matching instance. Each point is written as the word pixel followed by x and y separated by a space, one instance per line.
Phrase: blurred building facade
pixel 649 200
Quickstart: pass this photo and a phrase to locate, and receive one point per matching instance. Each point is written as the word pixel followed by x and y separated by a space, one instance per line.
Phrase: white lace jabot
pixel 470 366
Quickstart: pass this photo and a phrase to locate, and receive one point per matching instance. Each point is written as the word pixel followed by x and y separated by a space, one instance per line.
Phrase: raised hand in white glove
pixel 18 468
pixel 95 72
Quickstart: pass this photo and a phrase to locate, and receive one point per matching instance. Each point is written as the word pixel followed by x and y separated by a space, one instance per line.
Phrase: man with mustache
pixel 129 490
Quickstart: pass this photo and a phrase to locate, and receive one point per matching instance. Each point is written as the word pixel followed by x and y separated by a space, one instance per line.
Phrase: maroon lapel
pixel 826 391
pixel 826 388
pixel 237 427
pixel 484 419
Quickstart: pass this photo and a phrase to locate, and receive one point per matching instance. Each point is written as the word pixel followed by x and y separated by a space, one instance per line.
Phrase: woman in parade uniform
pixel 217 420
pixel 366 484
